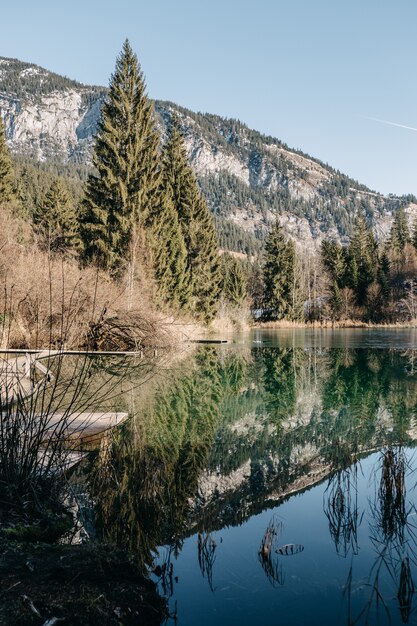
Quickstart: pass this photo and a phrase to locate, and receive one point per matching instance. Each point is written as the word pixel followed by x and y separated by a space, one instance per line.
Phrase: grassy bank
pixel 327 324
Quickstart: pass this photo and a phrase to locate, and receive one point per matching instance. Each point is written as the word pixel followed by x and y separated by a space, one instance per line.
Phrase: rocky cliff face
pixel 56 126
pixel 247 178
pixel 47 116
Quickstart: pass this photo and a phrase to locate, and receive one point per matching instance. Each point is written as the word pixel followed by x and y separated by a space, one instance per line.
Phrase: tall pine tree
pixel 6 171
pixel 362 260
pixel 335 262
pixel 119 196
pixel 197 226
pixel 400 232
pixel 169 254
pixel 279 272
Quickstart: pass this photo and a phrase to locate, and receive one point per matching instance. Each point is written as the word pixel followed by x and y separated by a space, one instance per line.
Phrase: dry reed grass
pixel 48 300
pixel 230 319
pixel 348 323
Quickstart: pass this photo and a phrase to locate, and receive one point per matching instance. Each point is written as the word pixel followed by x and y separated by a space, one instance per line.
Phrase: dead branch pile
pixel 126 332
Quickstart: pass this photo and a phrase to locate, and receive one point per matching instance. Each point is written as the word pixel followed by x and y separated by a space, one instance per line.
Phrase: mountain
pixel 246 177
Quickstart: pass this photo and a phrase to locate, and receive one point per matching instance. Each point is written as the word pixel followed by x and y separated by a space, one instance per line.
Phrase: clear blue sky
pixel 309 72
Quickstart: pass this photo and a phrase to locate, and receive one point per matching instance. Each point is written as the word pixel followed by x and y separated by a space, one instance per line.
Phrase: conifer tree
pixel 56 217
pixel 400 233
pixel 254 273
pixel 197 226
pixel 119 196
pixel 335 261
pixel 279 270
pixel 6 170
pixel 336 300
pixel 169 254
pixel 383 277
pixel 203 255
pixel 235 288
pixel 362 261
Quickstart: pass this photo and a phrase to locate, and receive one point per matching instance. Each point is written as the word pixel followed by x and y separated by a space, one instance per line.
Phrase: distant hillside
pixel 246 177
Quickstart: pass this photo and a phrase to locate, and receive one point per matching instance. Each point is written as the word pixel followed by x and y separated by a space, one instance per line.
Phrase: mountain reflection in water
pixel 200 485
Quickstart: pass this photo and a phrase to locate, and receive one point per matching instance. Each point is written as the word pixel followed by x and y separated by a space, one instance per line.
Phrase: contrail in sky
pixel 375 119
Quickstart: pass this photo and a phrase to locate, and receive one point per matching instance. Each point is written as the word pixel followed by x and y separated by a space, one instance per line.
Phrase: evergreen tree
pixel 56 217
pixel 383 277
pixel 169 255
pixel 6 171
pixel 197 226
pixel 279 269
pixel 203 255
pixel 362 260
pixel 352 274
pixel 235 288
pixel 119 196
pixel 335 261
pixel 254 273
pixel 400 233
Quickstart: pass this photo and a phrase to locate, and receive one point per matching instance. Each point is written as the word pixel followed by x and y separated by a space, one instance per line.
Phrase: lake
pixel 272 480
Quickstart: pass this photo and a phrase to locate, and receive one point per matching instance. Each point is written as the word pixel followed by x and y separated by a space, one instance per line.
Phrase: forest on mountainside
pixel 247 178
pixel 22 80
pixel 133 233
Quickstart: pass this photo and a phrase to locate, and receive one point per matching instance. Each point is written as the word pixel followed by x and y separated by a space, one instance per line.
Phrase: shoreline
pixel 346 324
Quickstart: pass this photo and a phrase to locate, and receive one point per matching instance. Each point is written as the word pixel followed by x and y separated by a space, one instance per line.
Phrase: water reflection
pixel 342 511
pixel 237 431
pixel 144 479
pixel 268 559
pixel 393 536
pixel 206 556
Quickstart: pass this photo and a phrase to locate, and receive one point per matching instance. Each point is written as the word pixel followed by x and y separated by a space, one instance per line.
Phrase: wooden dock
pixel 18 382
pixel 17 378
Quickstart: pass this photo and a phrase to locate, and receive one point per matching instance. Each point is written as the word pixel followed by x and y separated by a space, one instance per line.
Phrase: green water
pixel 303 440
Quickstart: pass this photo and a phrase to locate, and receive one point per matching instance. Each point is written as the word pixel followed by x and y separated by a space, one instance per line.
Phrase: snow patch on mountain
pixel 32 71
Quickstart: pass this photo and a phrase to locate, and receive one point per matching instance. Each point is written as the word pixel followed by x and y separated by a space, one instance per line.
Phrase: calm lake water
pixel 272 480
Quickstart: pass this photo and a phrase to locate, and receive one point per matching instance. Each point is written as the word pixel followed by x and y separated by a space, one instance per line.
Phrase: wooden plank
pixel 85 422
pixel 214 341
pixel 42 369
pixel 71 458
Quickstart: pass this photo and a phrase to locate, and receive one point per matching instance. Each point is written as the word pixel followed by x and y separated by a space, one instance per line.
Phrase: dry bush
pixel 230 319
pixel 49 301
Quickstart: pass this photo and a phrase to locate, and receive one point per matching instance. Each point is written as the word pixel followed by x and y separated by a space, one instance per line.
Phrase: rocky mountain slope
pixel 247 177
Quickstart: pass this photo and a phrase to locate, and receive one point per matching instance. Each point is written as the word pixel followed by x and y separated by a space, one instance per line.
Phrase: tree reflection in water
pixel 393 534
pixel 145 476
pixel 234 433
